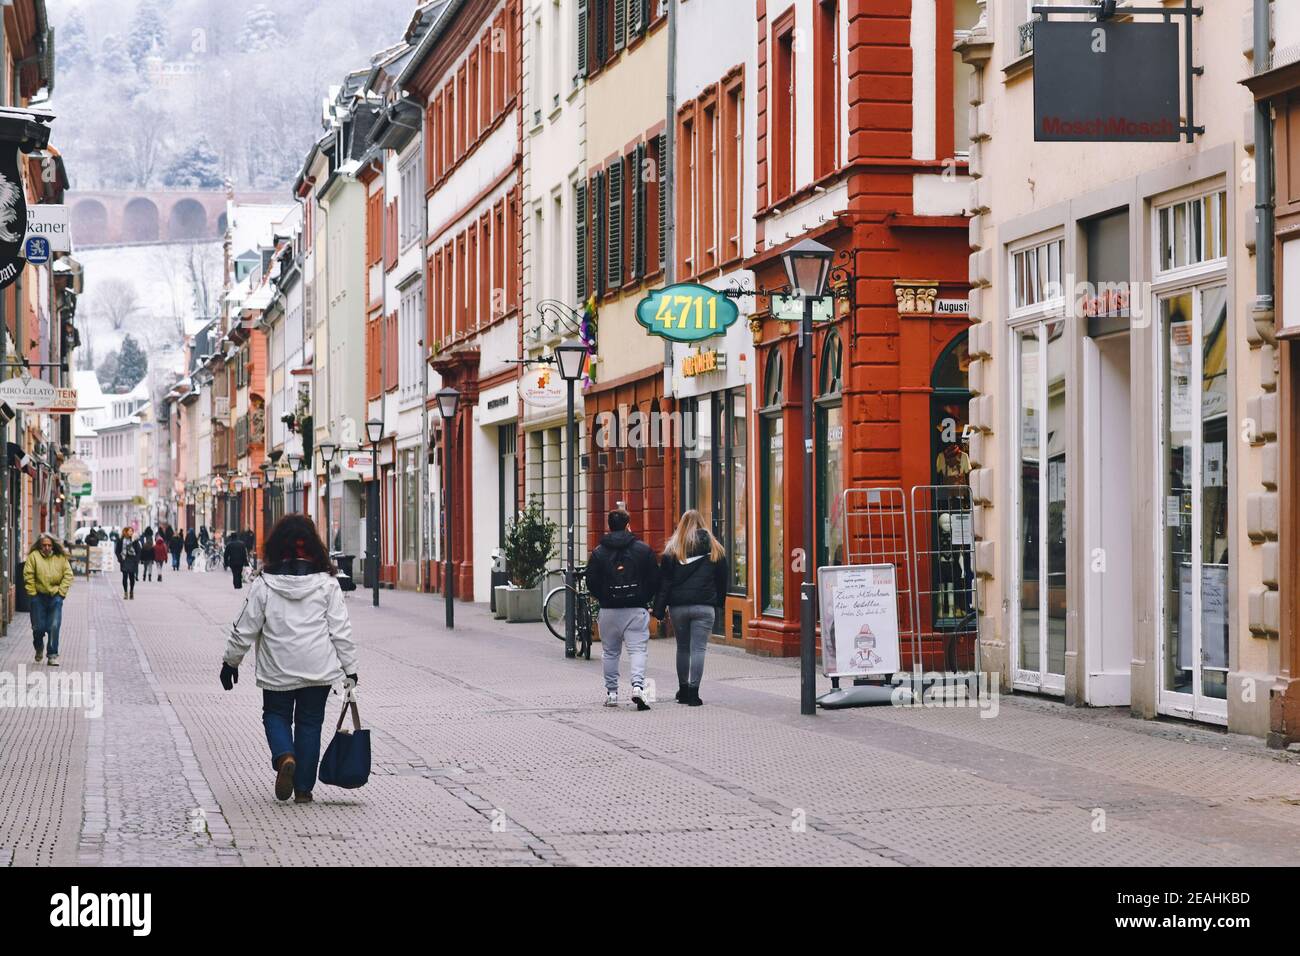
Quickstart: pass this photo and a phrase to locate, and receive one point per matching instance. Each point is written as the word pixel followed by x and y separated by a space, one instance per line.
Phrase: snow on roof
pixel 259 299
pixel 253 224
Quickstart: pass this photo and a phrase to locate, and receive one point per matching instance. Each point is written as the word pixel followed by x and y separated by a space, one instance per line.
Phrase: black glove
pixel 229 676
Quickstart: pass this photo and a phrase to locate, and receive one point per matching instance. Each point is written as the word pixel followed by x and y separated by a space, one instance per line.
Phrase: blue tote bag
pixel 346 762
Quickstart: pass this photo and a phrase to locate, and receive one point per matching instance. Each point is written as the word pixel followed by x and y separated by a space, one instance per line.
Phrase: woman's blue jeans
pixel 293 719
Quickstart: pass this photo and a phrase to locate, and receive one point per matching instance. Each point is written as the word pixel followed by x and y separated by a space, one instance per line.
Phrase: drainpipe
pixel 1263 167
pixel 668 193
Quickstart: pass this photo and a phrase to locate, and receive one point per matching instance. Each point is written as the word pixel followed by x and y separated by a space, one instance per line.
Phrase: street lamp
pixel 807 265
pixel 295 463
pixel 448 403
pixel 265 469
pixel 374 432
pixel 327 451
pixel 570 357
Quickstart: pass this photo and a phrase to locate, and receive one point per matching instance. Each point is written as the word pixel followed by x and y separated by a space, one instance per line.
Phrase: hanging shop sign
pixel 1106 82
pixel 50 223
pixel 358 461
pixel 542 387
pixel 705 360
pixel 859 614
pixel 687 312
pixel 27 394
pixel 13 216
pixel 789 308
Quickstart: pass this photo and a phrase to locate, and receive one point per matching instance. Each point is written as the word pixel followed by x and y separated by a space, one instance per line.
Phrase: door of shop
pixel 1194 504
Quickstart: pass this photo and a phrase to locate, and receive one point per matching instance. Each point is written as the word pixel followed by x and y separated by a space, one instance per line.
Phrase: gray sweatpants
pixel 692 625
pixel 619 624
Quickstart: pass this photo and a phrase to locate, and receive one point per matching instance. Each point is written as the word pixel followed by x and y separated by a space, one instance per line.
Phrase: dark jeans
pixel 176 561
pixel 293 719
pixel 692 625
pixel 189 559
pixel 237 572
pixel 128 582
pixel 47 615
pixel 148 570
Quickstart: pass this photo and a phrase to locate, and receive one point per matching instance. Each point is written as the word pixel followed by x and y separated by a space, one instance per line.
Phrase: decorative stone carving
pixel 916 297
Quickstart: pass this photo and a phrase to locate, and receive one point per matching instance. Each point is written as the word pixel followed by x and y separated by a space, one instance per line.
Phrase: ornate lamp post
pixel 807 265
pixel 327 451
pixel 295 463
pixel 448 403
pixel 374 433
pixel 570 357
pixel 265 468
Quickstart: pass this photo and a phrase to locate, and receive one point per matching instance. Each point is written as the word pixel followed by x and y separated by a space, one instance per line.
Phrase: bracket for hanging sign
pixel 1143 94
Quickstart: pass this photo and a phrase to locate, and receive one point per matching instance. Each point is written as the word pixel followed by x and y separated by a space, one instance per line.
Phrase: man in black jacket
pixel 623 576
pixel 235 557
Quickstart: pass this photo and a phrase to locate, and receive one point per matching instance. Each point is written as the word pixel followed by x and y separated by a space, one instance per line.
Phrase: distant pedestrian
pixel 174 546
pixel 624 578
pixel 204 537
pixel 250 542
pixel 295 615
pixel 128 559
pixel 160 553
pixel 235 557
pixel 146 554
pixel 191 545
pixel 47 577
pixel 92 538
pixel 693 584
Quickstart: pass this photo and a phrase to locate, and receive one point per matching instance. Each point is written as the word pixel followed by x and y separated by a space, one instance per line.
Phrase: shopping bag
pixel 346 762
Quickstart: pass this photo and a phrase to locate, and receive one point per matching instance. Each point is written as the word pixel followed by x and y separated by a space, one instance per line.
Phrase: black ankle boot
pixel 694 699
pixel 683 693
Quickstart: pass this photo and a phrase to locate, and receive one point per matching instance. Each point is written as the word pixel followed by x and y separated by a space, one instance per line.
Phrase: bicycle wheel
pixel 555 608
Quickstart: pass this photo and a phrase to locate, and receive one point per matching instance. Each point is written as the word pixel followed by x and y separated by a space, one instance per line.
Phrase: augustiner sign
pixel 687 312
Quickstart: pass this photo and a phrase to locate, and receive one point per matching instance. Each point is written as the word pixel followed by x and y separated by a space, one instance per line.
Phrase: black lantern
pixel 807 264
pixel 570 356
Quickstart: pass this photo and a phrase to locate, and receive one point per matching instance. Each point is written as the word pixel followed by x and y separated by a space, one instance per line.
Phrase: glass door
pixel 1195 497
pixel 1040 618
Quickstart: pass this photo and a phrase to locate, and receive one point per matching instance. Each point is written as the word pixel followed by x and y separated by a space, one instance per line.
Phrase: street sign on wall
pixel 26 394
pixel 687 312
pixel 1104 81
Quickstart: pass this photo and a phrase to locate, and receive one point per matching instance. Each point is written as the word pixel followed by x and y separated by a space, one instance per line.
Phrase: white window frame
pixel 410 201
pixel 1165 213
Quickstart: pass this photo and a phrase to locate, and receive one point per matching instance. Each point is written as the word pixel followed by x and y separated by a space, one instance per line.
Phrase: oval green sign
pixel 686 312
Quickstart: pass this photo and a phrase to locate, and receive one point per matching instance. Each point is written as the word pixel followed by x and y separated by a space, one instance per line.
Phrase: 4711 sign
pixel 686 312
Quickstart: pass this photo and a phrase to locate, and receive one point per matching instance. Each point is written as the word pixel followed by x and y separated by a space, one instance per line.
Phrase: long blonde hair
pixel 692 522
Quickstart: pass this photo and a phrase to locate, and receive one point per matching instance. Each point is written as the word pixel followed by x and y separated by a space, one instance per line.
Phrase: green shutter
pixel 616 224
pixel 580 213
pixel 582 39
pixel 661 175
pixel 638 211
pixel 620 24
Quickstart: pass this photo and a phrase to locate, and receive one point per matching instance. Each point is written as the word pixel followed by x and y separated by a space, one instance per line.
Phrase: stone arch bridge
pixel 107 217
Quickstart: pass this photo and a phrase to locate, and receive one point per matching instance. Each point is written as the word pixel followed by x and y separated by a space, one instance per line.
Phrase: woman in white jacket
pixel 295 614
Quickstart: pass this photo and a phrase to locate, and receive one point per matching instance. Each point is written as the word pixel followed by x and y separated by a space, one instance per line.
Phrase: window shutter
pixel 638 211
pixel 598 234
pixel 620 24
pixel 580 211
pixel 598 26
pixel 661 175
pixel 615 225
pixel 582 41
pixel 637 16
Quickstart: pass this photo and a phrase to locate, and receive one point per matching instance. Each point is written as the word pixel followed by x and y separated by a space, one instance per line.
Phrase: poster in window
pixel 1213 466
pixel 1181 411
pixel 1214 617
pixel 859 614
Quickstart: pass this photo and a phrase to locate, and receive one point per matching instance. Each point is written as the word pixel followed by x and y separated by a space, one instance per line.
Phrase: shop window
pixel 1041 358
pixel 830 454
pixel 1193 231
pixel 772 446
pixel 1036 276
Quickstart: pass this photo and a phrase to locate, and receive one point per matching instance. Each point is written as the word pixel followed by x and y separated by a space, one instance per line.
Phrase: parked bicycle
pixel 585 609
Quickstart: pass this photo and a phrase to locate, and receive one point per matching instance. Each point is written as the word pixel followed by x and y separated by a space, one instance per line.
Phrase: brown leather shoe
pixel 301 797
pixel 284 777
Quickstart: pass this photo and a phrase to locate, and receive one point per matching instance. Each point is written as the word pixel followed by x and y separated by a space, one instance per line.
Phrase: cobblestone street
pixel 490 748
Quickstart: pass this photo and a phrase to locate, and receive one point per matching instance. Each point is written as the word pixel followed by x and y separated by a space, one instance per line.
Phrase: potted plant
pixel 530 545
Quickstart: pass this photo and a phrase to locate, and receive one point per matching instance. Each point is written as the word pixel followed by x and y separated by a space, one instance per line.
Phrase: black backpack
pixel 625 585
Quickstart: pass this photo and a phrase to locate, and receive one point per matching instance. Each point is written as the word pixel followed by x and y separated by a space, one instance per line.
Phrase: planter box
pixel 499 604
pixel 523 605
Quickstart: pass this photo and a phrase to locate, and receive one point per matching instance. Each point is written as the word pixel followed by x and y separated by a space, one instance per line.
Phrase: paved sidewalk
pixel 491 748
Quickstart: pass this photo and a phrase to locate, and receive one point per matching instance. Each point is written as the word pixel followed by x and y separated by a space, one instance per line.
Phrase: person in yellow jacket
pixel 47 575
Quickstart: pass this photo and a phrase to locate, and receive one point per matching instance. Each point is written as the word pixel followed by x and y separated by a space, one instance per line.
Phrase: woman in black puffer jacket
pixel 693 584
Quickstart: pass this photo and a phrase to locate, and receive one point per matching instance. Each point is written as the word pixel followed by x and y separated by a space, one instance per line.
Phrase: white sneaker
pixel 639 697
pixel 611 698
pixel 53 661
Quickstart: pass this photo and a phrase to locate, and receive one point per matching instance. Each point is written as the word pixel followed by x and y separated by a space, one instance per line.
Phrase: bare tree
pixel 117 301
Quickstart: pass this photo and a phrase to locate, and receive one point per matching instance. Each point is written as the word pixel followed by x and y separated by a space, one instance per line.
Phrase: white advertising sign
pixel 359 461
pixel 542 387
pixel 49 223
pixel 27 394
pixel 859 612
